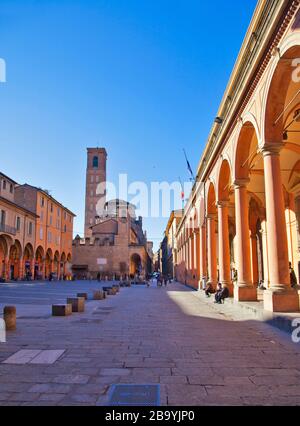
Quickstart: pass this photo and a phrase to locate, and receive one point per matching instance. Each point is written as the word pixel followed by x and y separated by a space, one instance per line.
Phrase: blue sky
pixel 141 78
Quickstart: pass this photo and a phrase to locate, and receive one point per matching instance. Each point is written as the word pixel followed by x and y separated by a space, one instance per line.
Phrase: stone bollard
pixel 98 295
pixel 111 291
pixel 85 295
pixel 61 310
pixel 117 287
pixel 77 303
pixel 10 317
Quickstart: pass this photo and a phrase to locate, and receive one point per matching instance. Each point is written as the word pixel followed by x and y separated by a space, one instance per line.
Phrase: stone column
pixel 212 250
pixel 192 253
pixel 32 267
pixel 203 262
pixel 6 268
pixel 21 268
pixel 280 297
pixel 224 246
pixel 254 259
pixel 197 251
pixel 244 289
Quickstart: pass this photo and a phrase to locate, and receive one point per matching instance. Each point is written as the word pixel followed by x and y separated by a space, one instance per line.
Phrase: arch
pixel 28 251
pixel 211 200
pixel 39 253
pixel 16 249
pixel 63 257
pixel 4 245
pixel 245 152
pixel 135 264
pixel 49 254
pixel 15 255
pixel 69 258
pixel 95 162
pixel 280 90
pixel 224 181
pixel 48 263
pixel 39 263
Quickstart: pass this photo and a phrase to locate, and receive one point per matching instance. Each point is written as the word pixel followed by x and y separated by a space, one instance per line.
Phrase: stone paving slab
pixel 199 355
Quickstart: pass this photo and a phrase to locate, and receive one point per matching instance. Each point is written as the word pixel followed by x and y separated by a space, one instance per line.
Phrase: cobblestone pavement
pixel 200 354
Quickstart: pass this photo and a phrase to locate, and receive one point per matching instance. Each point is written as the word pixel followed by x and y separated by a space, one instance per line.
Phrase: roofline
pixel 252 48
pixel 267 18
pixel 7 177
pixel 48 195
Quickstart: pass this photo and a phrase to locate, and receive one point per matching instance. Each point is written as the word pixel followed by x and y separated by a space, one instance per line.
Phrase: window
pixel 42 216
pixel 50 220
pixel 18 223
pixel 65 215
pixel 11 188
pixel 97 179
pixel 95 162
pixel 51 208
pixel 42 201
pixel 65 228
pixel 92 193
pixel 57 223
pixel 41 233
pixel 2 217
pixel 92 179
pixel 30 228
pixel 4 184
pixel 49 237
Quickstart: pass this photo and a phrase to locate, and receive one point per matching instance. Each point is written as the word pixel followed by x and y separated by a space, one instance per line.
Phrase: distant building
pixel 168 246
pixel 35 233
pixel 115 243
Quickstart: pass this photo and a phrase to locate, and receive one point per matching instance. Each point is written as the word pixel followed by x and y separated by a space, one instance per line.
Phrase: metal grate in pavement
pixel 134 395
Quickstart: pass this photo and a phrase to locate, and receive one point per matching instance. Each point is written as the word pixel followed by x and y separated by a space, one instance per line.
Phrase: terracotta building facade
pixel 36 233
pixel 244 211
pixel 115 244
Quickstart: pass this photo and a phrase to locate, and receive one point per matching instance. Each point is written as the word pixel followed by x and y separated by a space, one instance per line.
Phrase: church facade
pixel 114 244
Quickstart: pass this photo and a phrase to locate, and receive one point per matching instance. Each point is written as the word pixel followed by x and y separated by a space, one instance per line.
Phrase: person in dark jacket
pixel 209 290
pixel 293 278
pixel 222 294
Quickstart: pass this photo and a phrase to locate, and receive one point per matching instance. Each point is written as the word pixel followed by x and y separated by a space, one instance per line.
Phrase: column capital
pixel 271 149
pixel 241 183
pixel 211 216
pixel 223 203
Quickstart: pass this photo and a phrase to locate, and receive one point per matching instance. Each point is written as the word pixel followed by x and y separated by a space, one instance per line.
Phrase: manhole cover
pixel 134 395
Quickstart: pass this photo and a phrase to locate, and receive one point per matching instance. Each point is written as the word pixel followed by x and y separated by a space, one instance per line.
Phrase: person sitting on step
pixel 222 294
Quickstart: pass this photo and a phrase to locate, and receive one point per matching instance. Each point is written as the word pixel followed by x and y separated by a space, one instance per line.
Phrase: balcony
pixel 8 229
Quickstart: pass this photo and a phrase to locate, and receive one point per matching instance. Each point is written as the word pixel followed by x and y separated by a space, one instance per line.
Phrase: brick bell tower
pixel 95 175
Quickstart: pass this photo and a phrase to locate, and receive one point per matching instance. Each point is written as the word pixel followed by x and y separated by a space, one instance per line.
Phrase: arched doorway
pixel 4 250
pixel 48 263
pixel 56 265
pixel 63 260
pixel 15 255
pixel 28 262
pixel 39 270
pixel 135 265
